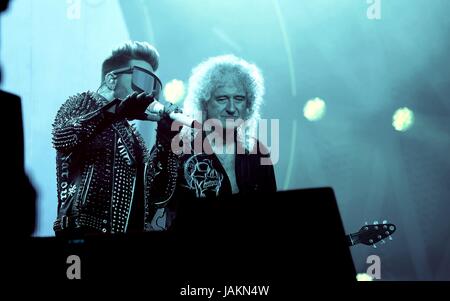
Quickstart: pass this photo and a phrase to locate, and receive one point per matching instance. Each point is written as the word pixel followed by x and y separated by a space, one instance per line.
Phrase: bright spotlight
pixel 363 277
pixel 314 109
pixel 174 91
pixel 402 119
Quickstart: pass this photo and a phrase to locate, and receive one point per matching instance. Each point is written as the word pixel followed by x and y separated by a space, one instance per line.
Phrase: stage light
pixel 363 277
pixel 174 91
pixel 403 119
pixel 314 109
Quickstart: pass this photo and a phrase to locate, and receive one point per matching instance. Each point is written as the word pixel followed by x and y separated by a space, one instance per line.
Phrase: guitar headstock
pixel 372 234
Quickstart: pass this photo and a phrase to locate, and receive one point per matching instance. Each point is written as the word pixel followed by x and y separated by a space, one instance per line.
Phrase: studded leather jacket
pixel 100 166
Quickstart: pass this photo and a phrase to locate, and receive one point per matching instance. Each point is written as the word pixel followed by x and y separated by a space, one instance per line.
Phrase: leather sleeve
pixel 78 120
pixel 161 175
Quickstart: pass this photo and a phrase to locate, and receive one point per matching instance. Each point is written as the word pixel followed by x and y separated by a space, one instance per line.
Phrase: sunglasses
pixel 142 80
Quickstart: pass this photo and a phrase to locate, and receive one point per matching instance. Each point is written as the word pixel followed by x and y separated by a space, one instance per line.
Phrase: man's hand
pixel 134 106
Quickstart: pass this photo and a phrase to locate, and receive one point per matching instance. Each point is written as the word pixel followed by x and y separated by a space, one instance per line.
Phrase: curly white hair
pixel 206 76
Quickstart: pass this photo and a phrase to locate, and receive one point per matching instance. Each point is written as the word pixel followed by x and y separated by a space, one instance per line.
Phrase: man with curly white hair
pixel 236 89
pixel 225 94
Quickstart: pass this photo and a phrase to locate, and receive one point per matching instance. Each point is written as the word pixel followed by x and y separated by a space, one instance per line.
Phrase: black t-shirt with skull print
pixel 202 175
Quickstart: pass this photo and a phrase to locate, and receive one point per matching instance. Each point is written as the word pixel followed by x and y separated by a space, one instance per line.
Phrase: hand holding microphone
pixel 134 106
pixel 143 106
pixel 156 111
pixel 170 119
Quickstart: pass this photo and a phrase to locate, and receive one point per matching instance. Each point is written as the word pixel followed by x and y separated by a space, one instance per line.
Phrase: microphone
pixel 155 110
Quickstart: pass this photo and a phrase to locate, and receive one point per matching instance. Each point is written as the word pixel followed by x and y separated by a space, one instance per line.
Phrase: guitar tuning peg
pixel 366 223
pixel 374 246
pixel 382 241
pixel 375 222
pixel 385 222
pixel 390 237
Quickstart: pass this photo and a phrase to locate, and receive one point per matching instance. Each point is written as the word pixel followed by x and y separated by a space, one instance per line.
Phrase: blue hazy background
pixel 363 69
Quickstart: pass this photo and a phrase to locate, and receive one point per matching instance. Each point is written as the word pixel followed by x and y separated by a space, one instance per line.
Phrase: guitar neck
pixel 371 234
pixel 351 241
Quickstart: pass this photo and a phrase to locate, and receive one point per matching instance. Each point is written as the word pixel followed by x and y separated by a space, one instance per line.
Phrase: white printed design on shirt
pixel 202 176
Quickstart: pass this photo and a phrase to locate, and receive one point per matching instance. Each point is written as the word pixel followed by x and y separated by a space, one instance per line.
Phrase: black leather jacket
pixel 99 163
pixel 187 176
